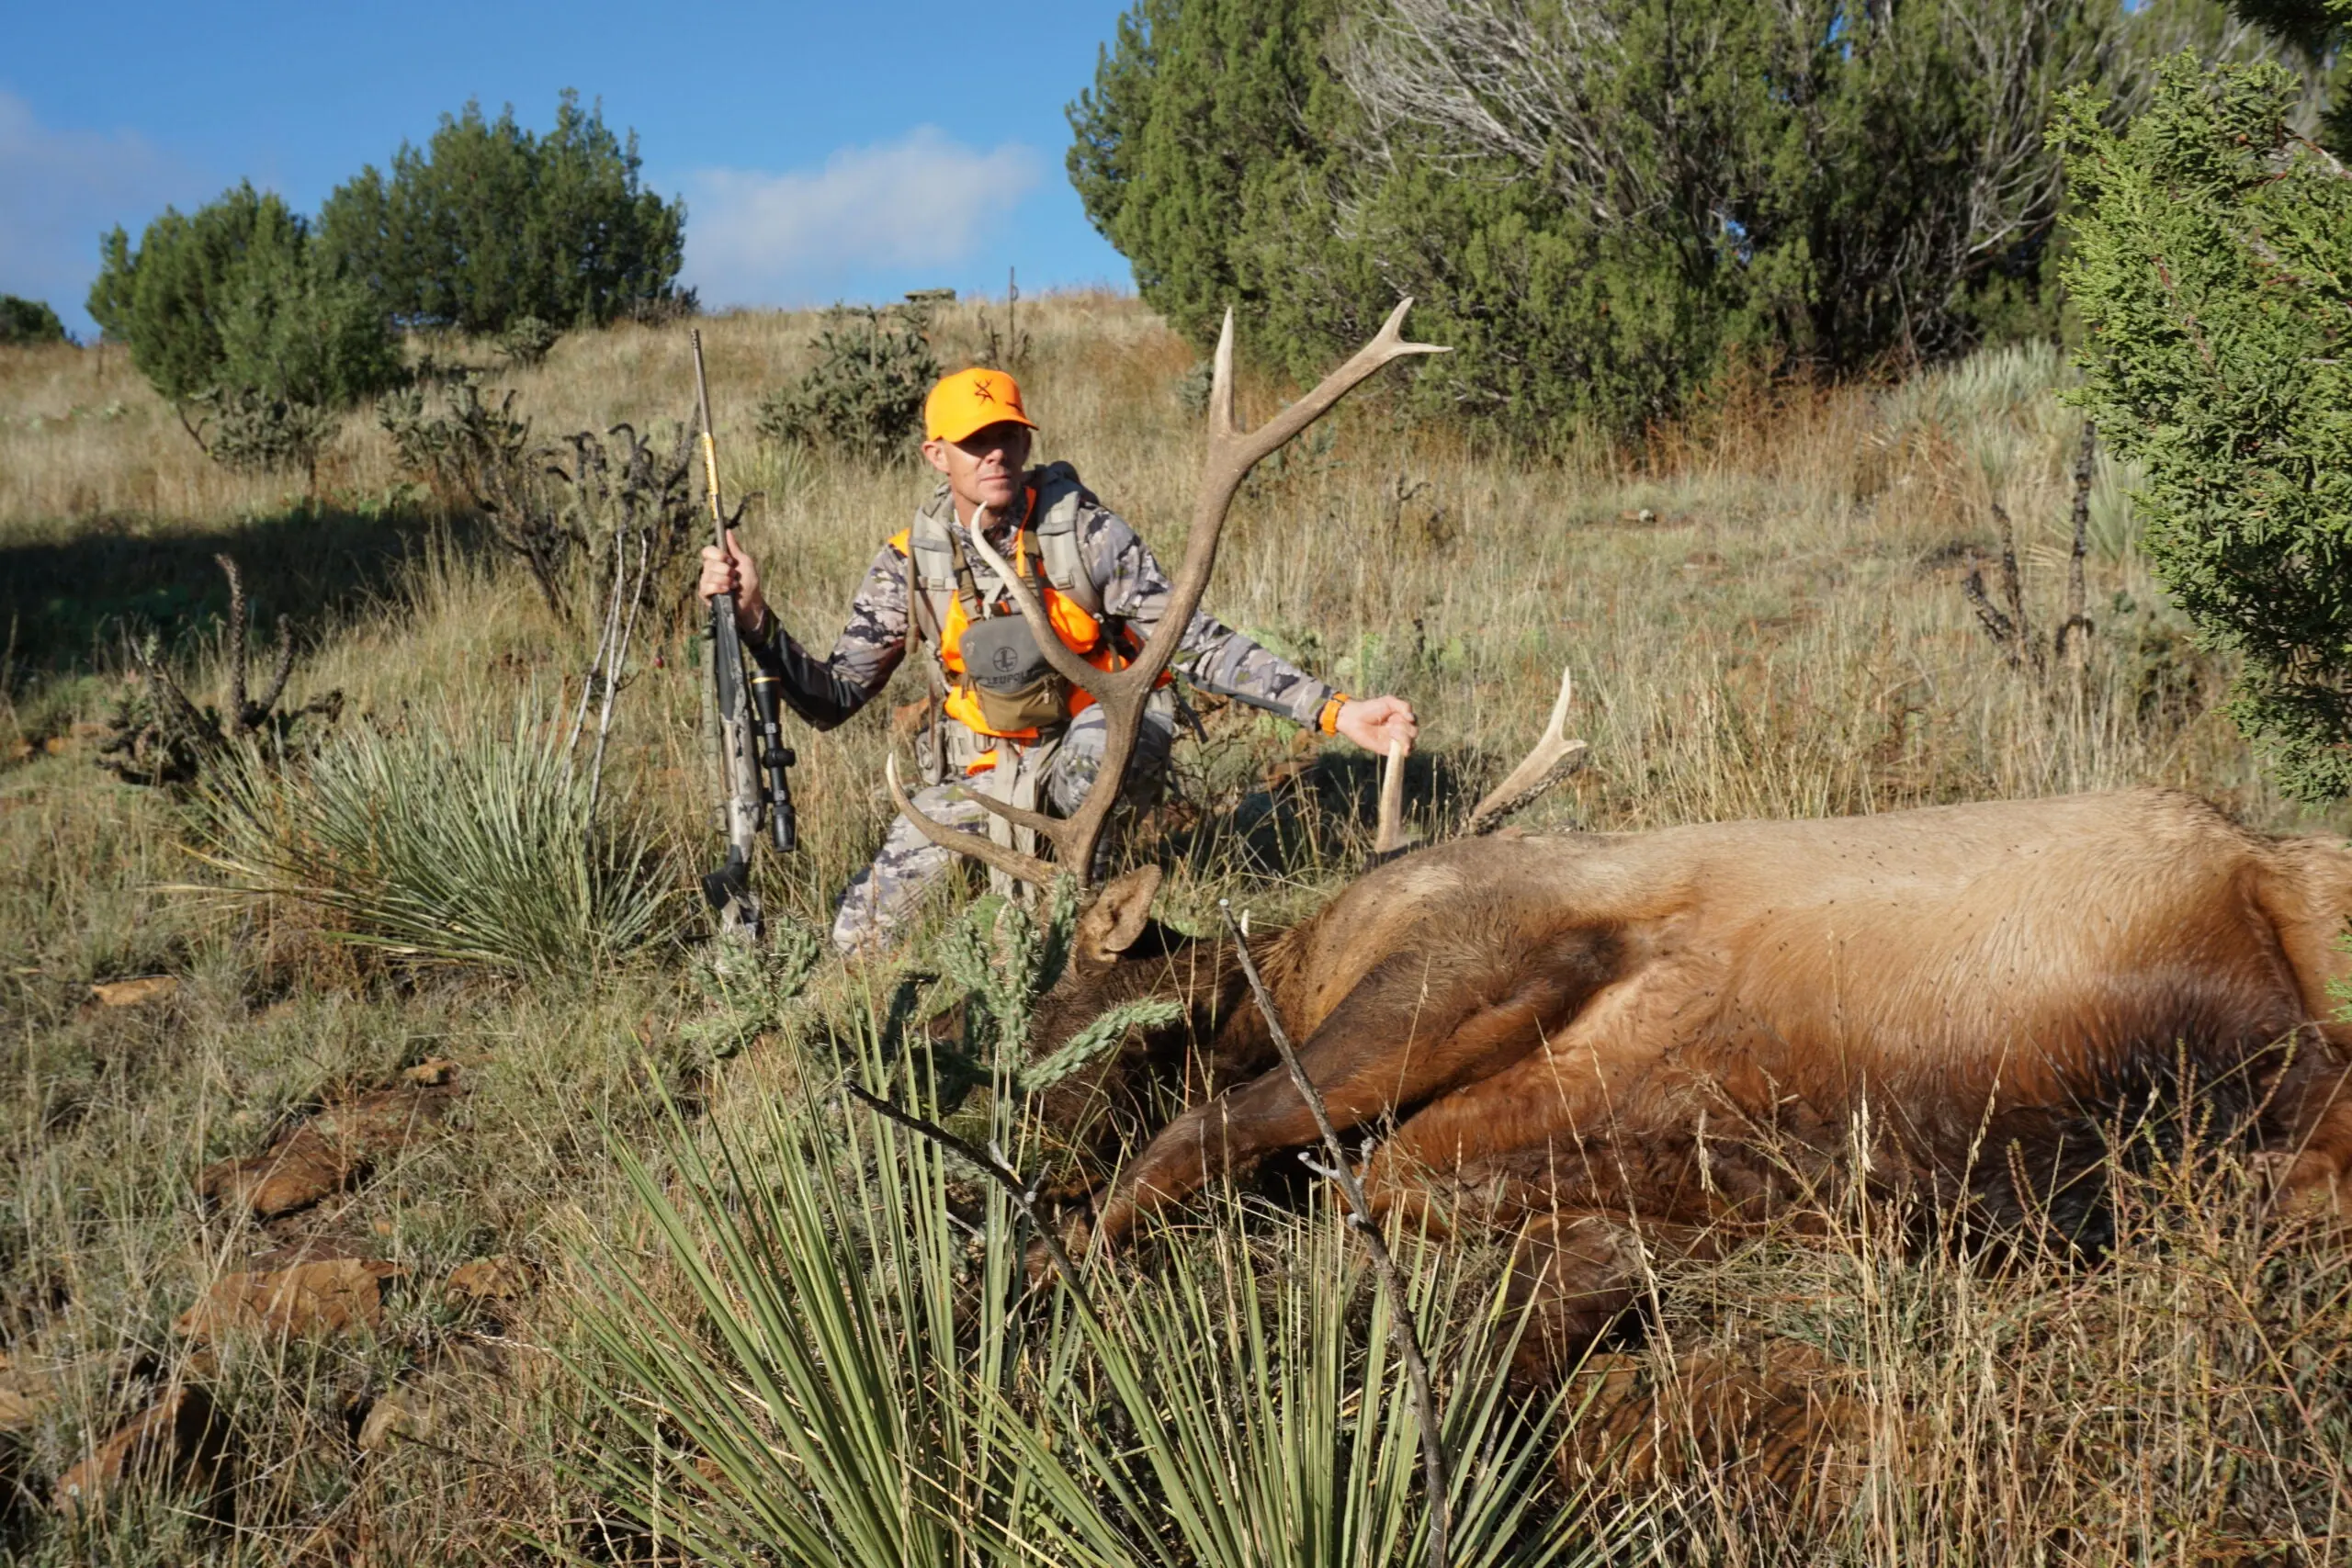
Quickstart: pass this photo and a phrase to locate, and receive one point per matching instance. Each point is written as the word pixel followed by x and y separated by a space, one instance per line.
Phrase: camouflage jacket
pixel 1133 589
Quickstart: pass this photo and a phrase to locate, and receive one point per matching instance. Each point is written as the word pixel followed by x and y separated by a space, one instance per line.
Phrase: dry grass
pixel 1764 618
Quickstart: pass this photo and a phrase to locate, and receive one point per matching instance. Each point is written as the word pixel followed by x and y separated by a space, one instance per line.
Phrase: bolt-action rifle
pixel 752 759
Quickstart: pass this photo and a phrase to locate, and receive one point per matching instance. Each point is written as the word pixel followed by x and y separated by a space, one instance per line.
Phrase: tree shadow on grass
pixel 1321 816
pixel 66 604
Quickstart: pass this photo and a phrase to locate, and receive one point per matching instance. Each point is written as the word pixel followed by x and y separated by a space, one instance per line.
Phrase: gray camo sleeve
pixel 1213 656
pixel 824 692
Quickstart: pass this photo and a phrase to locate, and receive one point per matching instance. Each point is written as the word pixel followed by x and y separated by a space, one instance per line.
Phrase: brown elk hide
pixel 1559 1025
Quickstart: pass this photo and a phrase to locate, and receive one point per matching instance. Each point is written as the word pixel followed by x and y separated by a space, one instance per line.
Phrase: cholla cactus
pixel 159 735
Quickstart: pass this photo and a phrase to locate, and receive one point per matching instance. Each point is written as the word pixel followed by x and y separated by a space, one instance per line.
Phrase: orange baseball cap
pixel 971 400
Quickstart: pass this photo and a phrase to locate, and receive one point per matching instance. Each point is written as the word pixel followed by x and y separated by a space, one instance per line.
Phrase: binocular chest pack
pixel 1003 666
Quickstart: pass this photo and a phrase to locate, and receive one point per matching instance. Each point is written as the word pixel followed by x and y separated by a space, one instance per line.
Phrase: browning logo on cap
pixel 969 402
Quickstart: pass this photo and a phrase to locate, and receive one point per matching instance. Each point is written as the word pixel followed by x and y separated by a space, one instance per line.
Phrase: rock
pixel 299 1170
pixel 487 1279
pixel 400 1413
pixel 134 993
pixel 331 1297
pixel 329 1152
pixel 25 1397
pixel 431 1073
pixel 182 1435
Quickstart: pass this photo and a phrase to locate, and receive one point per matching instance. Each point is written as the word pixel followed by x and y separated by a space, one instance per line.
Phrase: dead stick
pixel 1408 1338
pixel 993 1167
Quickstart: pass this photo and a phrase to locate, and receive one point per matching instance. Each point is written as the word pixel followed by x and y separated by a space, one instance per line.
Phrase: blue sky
pixel 825 152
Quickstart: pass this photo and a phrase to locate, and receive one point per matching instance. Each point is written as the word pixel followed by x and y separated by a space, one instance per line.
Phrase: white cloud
pixel 60 190
pixel 922 201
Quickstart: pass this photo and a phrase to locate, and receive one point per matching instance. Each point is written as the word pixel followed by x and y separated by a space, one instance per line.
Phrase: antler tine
pixel 1223 425
pixel 1012 862
pixel 1244 452
pixel 1390 836
pixel 1233 453
pixel 1553 758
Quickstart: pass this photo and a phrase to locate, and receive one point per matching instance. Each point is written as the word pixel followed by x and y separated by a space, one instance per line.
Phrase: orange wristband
pixel 1327 721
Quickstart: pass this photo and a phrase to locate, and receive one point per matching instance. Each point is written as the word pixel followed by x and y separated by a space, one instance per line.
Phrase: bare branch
pixel 1391 1278
pixel 253 717
pixel 1023 1194
pixel 2073 637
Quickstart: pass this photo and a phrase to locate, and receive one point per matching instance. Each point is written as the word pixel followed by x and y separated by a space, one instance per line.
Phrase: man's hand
pixel 1373 722
pixel 735 573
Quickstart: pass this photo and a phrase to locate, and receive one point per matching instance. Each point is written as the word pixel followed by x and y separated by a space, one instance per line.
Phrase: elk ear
pixel 1117 916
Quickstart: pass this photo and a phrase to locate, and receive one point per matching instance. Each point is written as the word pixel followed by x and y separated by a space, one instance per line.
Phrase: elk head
pixel 1119 953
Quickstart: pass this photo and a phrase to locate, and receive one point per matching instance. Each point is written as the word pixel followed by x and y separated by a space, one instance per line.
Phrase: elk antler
pixel 1390 836
pixel 1122 693
pixel 1554 759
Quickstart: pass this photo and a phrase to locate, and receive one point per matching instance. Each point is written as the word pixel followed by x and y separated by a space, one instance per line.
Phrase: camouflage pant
pixel 882 899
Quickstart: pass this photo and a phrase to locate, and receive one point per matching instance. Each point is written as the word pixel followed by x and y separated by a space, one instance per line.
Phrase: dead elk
pixel 1580 1036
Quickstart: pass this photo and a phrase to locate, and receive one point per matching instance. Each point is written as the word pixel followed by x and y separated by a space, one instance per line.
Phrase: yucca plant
pixel 483 846
pixel 825 1376
pixel 838 1362
pixel 1266 1422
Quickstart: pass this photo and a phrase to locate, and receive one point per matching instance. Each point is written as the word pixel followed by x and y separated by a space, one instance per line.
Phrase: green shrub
pixel 251 432
pixel 864 393
pixel 490 224
pixel 2212 262
pixel 25 322
pixel 1598 205
pixel 529 340
pixel 485 847
pixel 235 309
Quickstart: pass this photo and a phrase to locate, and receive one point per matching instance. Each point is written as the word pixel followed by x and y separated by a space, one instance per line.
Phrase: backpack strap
pixel 923 625
pixel 1060 498
pixel 939 573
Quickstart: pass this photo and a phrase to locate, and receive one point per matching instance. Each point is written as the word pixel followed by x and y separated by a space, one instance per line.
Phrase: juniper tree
pixel 25 322
pixel 2212 262
pixel 1597 202
pixel 233 313
pixel 490 223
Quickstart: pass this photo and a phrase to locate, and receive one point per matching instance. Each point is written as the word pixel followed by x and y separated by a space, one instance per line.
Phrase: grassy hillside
pixel 1764 616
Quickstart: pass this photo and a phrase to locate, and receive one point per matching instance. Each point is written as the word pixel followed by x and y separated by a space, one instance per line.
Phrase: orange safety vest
pixel 1080 632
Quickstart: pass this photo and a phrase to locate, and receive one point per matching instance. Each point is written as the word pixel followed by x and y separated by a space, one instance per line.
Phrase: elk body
pixel 1584 1037
pixel 1611 1041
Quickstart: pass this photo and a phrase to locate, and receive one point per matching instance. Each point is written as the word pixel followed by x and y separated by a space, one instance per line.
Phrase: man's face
pixel 984 468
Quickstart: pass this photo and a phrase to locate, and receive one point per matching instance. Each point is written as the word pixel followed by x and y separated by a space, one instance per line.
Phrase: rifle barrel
pixel 709 446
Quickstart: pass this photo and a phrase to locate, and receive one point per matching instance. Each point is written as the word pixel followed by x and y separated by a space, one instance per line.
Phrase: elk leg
pixel 1355 1061
pixel 2319 1174
pixel 1776 1423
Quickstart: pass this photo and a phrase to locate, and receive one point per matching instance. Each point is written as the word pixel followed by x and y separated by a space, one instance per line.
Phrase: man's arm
pixel 823 692
pixel 1214 656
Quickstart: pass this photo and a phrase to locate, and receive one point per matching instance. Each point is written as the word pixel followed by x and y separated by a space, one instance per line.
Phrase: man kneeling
pixel 1009 725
